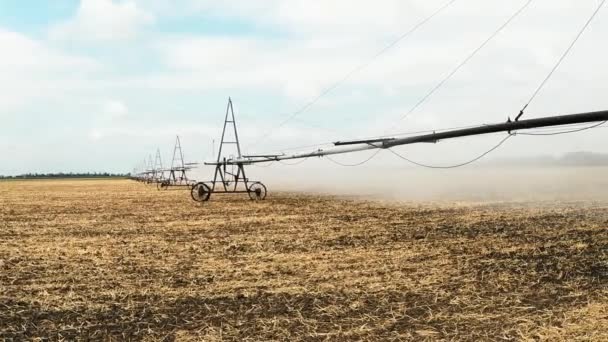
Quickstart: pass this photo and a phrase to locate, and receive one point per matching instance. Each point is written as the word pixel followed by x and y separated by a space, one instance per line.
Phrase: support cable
pixel 357 164
pixel 495 147
pixel 565 132
pixel 331 143
pixel 301 147
pixel 559 128
pixel 457 165
pixel 546 131
pixel 466 60
pixel 296 163
pixel 355 70
pixel 405 134
pixel 561 59
pixel 270 163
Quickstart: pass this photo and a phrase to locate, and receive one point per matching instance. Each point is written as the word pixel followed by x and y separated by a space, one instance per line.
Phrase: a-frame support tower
pixel 229 178
pixel 177 174
pixel 222 174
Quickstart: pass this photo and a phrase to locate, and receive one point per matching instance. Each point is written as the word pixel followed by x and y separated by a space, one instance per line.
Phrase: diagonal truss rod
pixel 342 147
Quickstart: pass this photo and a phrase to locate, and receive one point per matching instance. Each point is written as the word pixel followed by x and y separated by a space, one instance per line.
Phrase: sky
pixel 98 85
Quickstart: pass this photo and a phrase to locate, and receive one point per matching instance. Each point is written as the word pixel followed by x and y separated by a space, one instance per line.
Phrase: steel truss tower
pixel 229 178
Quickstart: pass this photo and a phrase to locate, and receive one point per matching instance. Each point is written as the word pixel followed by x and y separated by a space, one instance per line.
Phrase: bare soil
pixel 118 260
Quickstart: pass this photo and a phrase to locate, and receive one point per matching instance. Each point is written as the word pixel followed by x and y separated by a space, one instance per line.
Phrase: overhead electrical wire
pixel 355 70
pixel 467 59
pixel 561 59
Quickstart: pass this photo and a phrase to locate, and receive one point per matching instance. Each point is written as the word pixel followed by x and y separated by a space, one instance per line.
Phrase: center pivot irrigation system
pixel 175 177
pixel 230 177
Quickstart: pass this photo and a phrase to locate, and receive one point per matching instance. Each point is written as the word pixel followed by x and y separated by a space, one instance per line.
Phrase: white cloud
pixel 30 70
pixel 103 20
pixel 23 54
pixel 115 109
pixel 296 49
pixel 303 16
pixel 149 133
pixel 303 65
pixel 226 62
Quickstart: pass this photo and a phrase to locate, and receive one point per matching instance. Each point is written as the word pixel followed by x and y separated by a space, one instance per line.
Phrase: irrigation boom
pixel 230 175
pixel 342 147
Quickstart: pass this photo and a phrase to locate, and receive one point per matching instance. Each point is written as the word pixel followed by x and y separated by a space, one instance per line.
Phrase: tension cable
pixel 457 165
pixel 561 59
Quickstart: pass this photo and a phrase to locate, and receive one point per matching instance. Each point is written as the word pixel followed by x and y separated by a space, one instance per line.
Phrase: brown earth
pixel 118 260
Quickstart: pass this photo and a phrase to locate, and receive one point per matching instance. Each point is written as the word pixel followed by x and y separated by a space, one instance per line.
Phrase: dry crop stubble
pixel 114 259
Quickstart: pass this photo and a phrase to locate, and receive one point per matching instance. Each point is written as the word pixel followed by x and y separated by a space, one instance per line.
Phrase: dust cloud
pixel 469 184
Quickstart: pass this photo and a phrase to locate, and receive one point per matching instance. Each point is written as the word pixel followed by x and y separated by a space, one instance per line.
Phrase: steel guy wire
pixel 467 59
pixel 355 70
pixel 561 59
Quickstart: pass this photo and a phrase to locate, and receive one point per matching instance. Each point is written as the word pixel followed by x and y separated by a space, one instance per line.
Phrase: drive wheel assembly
pixel 257 191
pixel 162 185
pixel 200 192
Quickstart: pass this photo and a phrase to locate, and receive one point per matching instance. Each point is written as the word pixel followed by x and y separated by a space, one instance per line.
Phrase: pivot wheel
pixel 162 185
pixel 200 192
pixel 257 191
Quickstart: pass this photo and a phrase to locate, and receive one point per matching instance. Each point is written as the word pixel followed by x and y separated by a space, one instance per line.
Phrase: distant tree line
pixel 67 175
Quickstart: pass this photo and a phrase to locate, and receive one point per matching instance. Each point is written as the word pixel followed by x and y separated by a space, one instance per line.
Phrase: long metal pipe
pixel 504 127
pixel 316 153
pixel 356 146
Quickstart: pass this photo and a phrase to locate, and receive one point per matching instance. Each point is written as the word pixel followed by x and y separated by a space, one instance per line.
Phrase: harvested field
pixel 119 260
